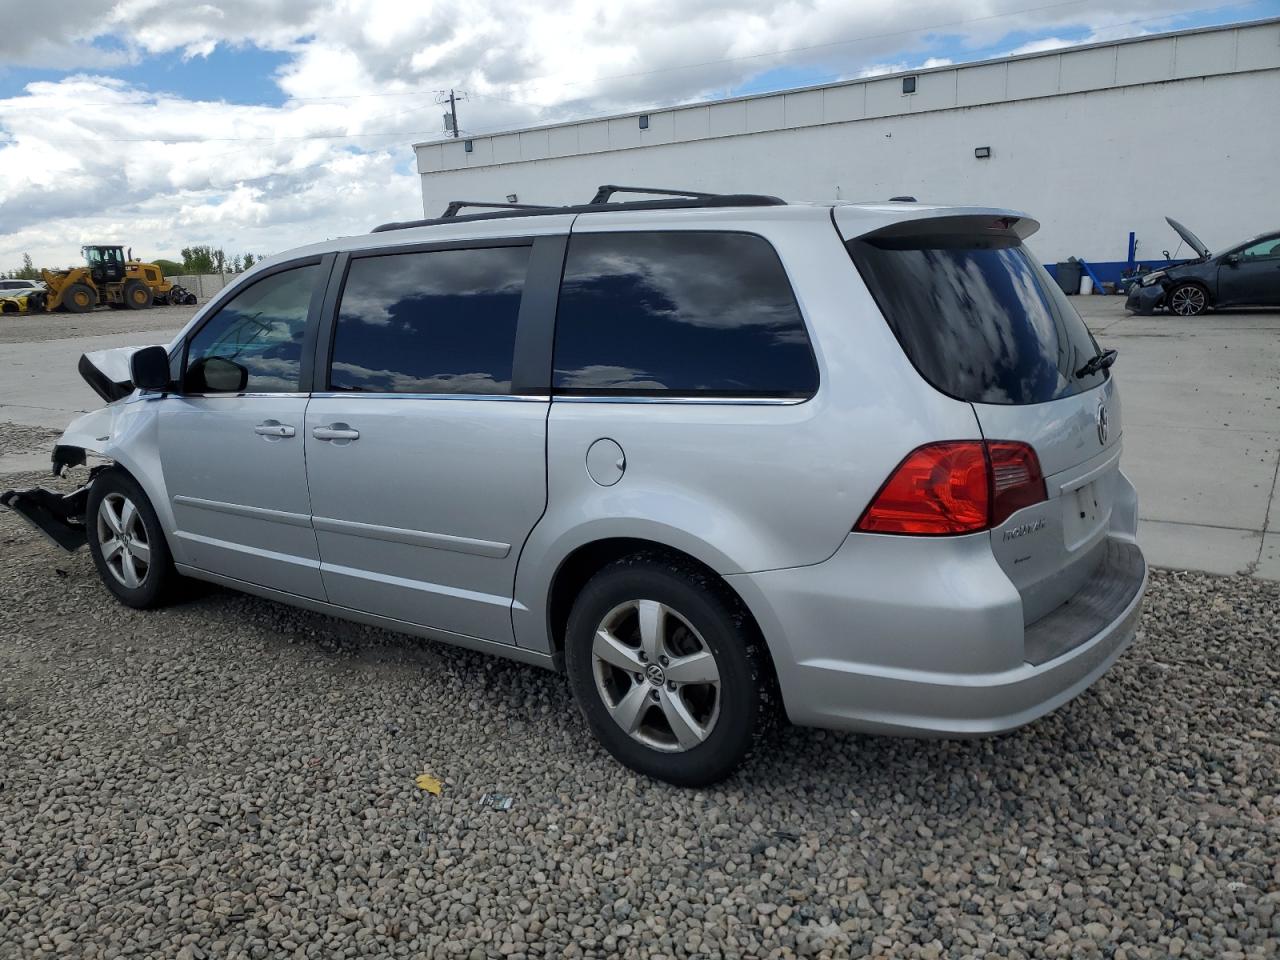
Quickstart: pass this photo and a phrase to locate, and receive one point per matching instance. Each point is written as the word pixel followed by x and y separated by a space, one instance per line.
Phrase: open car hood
pixel 107 372
pixel 1194 242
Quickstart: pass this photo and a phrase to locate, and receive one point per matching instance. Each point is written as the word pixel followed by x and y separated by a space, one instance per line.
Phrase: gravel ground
pixel 234 778
pixel 34 327
pixel 20 438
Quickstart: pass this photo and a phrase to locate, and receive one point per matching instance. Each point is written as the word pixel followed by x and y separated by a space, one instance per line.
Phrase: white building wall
pixel 1092 142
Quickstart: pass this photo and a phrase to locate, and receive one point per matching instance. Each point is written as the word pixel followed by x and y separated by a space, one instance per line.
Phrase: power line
pixel 292 138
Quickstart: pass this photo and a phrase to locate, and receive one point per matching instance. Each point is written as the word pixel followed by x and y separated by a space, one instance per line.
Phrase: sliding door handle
pixel 340 432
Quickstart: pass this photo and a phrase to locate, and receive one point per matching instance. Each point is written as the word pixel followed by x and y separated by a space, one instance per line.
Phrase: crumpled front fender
pixel 128 433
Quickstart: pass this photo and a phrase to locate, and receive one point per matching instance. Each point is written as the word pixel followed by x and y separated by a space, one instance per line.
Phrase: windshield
pixel 978 316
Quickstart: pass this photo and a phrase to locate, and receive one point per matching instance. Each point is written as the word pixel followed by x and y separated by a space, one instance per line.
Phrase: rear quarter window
pixel 977 316
pixel 687 313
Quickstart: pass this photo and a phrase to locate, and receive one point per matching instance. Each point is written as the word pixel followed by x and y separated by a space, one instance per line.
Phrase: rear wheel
pixel 79 298
pixel 137 295
pixel 126 542
pixel 1188 300
pixel 667 671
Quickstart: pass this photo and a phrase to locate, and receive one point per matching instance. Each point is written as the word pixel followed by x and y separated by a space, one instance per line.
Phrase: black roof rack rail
pixel 455 205
pixel 672 200
pixel 607 190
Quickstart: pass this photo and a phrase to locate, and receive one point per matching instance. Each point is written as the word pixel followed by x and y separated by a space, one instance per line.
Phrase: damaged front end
pixel 60 517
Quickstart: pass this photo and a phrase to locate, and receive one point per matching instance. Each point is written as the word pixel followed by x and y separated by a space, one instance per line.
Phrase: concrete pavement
pixel 1201 400
pixel 1201 424
pixel 39 385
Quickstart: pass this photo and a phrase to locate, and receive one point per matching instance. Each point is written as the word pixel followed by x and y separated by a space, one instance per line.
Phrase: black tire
pixel 79 298
pixel 743 702
pixel 1187 300
pixel 155 585
pixel 137 295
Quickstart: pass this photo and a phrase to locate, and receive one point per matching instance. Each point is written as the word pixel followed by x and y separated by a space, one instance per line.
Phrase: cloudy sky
pixel 259 125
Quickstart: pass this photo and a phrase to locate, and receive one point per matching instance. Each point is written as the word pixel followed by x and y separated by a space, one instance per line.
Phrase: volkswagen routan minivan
pixel 714 457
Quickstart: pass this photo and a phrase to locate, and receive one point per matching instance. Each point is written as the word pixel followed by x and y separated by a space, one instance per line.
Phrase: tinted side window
pixel 679 313
pixel 443 321
pixel 261 330
pixel 1267 249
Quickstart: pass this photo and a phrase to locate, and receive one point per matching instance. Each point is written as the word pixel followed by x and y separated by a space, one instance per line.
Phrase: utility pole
pixel 451 118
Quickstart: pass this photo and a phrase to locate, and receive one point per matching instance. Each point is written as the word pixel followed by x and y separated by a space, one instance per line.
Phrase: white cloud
pixel 267 178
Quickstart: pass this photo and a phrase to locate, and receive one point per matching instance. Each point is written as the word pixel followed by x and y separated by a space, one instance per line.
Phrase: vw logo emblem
pixel 655 674
pixel 1102 423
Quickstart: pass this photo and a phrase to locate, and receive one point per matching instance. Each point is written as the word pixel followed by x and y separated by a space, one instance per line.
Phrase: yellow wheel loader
pixel 109 278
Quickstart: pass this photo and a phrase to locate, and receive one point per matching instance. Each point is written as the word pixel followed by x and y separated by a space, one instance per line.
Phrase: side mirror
pixel 1231 258
pixel 216 375
pixel 149 369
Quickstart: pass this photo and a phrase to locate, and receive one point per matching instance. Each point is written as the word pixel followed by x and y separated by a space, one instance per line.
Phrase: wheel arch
pixel 127 434
pixel 1200 282
pixel 588 559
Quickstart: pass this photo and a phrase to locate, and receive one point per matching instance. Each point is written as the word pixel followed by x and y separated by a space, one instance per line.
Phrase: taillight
pixel 959 486
pixel 1015 478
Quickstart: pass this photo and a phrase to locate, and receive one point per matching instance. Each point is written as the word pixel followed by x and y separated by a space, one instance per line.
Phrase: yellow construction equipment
pixel 109 278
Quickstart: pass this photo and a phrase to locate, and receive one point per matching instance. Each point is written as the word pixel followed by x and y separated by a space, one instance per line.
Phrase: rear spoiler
pixel 889 220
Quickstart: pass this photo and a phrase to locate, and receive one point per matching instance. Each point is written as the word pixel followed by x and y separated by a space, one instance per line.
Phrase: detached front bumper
pixel 58 516
pixel 1144 299
pixel 870 641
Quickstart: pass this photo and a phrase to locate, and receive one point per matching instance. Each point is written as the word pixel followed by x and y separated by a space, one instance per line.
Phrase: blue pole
pixel 1133 248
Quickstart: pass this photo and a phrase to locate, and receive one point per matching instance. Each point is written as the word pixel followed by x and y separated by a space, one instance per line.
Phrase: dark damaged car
pixel 1244 275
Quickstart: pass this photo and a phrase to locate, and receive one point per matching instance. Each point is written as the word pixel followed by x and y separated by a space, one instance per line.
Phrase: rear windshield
pixel 978 317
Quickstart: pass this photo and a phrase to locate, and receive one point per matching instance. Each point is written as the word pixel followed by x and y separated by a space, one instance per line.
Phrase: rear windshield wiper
pixel 1103 360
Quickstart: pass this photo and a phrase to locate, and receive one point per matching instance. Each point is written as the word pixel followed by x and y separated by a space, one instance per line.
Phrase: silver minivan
pixel 713 456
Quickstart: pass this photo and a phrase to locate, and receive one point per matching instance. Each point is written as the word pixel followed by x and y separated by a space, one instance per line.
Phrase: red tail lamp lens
pixel 958 486
pixel 939 489
pixel 1016 478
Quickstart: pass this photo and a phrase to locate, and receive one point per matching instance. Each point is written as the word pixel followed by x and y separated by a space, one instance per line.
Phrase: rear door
pixel 425 438
pixel 983 322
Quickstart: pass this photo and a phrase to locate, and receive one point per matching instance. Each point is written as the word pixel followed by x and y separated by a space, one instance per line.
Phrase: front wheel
pixel 667 671
pixel 1188 300
pixel 79 298
pixel 126 542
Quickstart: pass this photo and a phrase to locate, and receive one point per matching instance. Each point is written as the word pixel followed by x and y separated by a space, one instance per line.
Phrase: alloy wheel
pixel 656 675
pixel 122 537
pixel 1187 301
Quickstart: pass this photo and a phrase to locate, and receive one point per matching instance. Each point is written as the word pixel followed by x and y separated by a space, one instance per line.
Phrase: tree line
pixel 199 259
pixel 214 260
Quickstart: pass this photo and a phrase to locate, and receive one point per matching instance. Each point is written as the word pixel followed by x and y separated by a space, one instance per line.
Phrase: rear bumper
pixel 926 638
